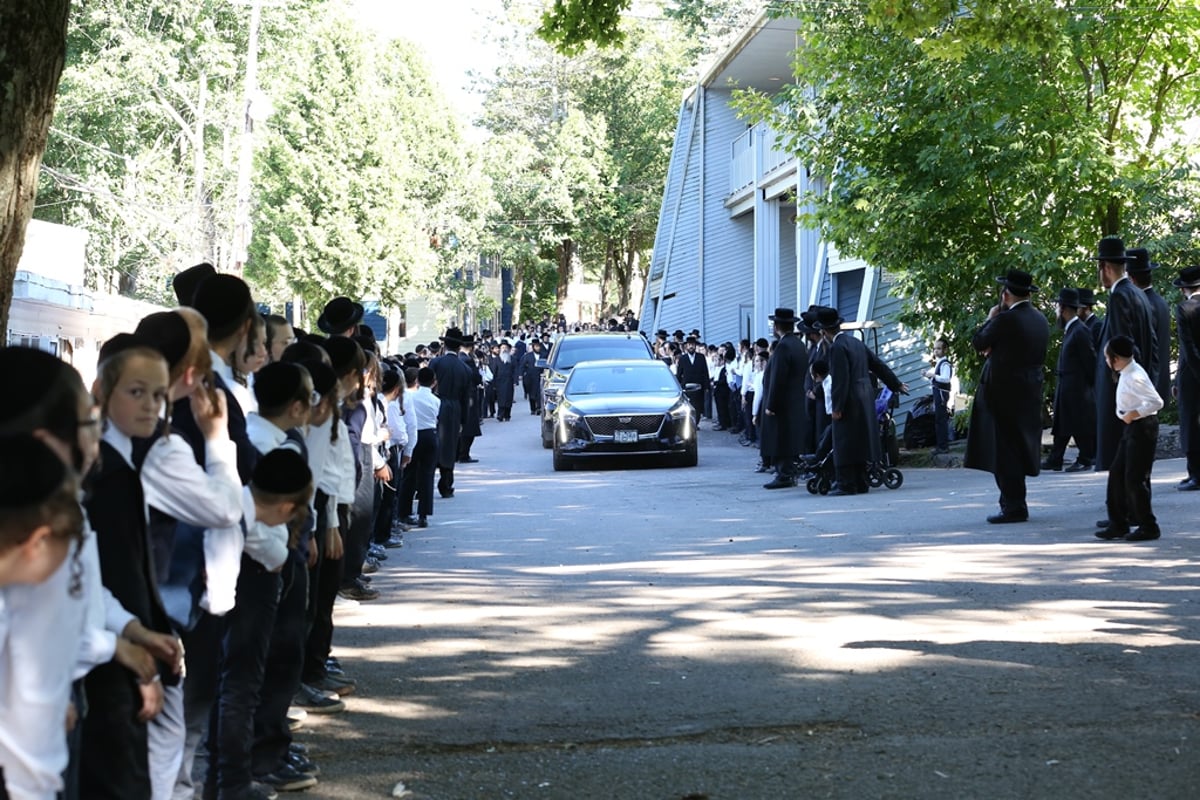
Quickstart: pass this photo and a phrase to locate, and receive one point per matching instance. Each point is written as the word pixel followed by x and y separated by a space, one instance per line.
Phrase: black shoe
pixel 410 520
pixel 468 460
pixel 358 591
pixel 1005 517
pixel 302 763
pixel 1109 532
pixel 1052 466
pixel 287 778
pixel 422 522
pixel 1103 523
pixel 333 667
pixel 780 482
pixel 1079 466
pixel 1188 485
pixel 1143 535
pixel 762 468
pixel 446 495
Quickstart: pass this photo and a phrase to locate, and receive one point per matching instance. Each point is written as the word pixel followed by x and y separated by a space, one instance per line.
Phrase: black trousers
pixel 418 478
pixel 281 677
pixel 389 495
pixel 721 402
pixel 357 538
pixel 941 418
pixel 1129 476
pixel 244 646
pixel 114 761
pixel 324 580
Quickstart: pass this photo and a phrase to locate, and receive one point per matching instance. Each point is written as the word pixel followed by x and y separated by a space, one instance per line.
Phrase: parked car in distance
pixel 623 408
pixel 570 350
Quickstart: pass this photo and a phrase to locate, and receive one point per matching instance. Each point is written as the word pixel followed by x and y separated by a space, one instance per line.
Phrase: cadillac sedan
pixel 623 408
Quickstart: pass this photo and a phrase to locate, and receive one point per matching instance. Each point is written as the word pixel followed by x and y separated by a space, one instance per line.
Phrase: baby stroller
pixel 821 473
pixel 884 472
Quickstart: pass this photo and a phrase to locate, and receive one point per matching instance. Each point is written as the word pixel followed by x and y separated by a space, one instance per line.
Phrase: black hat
pixel 696 332
pixel 122 342
pixel 1189 278
pixel 186 282
pixel 691 340
pixel 453 337
pixel 807 318
pixel 1112 248
pixel 1018 280
pixel 1139 260
pixel 661 333
pixel 278 383
pixel 323 377
pixel 223 300
pixel 281 471
pixel 344 354
pixel 827 318
pixel 1086 296
pixel 784 315
pixel 1068 298
pixel 168 333
pixel 339 314
pixel 367 343
pixel 761 343
pixel 467 340
pixel 38 370
pixel 1121 346
pixel 30 472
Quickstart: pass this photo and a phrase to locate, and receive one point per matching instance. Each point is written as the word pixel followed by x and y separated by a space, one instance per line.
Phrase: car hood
pixel 623 404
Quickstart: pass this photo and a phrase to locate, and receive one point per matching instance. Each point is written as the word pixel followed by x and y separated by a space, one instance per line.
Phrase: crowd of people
pixel 1113 379
pixel 175 539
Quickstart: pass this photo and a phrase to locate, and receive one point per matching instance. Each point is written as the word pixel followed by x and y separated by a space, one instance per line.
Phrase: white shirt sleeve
pixel 395 424
pixel 344 453
pixel 410 427
pixel 177 486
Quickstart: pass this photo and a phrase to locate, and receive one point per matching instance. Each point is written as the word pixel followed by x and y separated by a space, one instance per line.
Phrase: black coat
pixel 783 395
pixel 454 389
pixel 856 437
pixel 1161 319
pixel 529 373
pixel 1011 386
pixel 1074 395
pixel 1128 314
pixel 504 378
pixel 473 413
pixel 692 369
pixel 1187 376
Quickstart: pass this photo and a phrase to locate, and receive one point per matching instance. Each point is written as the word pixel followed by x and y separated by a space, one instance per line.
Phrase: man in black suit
pixel 1015 337
pixel 856 440
pixel 454 387
pixel 1087 300
pixel 1141 272
pixel 1128 314
pixel 692 367
pixel 782 411
pixel 531 376
pixel 1074 395
pixel 1187 378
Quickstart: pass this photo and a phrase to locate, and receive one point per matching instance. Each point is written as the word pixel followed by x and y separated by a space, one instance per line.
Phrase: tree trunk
pixel 566 257
pixel 610 256
pixel 518 279
pixel 33 45
pixel 627 277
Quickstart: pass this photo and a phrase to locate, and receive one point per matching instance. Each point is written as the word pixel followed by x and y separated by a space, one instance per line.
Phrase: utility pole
pixel 241 213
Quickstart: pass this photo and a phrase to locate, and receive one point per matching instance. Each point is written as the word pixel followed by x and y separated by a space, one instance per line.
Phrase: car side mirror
pixel 691 387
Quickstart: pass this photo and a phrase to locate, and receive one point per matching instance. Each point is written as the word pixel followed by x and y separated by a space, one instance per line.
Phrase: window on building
pixel 847 290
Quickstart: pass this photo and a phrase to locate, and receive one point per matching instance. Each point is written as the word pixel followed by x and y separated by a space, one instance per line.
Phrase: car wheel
pixel 561 462
pixel 691 456
pixel 547 437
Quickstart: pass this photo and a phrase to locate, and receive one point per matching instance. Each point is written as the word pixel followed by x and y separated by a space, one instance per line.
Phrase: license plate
pixel 626 437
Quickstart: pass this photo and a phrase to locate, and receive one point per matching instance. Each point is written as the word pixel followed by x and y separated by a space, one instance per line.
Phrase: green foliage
pixel 1011 134
pixel 571 25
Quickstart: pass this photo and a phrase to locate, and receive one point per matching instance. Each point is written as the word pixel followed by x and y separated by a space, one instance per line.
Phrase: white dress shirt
pixel 425 406
pixel 1135 392
pixel 397 430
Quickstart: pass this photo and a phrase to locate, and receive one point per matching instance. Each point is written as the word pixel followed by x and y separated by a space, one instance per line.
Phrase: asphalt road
pixel 629 632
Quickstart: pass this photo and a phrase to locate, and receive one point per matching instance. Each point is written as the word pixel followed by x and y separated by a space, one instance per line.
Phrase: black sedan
pixel 623 408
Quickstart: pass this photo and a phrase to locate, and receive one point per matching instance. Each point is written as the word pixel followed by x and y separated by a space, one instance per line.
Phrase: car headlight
pixel 680 410
pixel 681 415
pixel 567 420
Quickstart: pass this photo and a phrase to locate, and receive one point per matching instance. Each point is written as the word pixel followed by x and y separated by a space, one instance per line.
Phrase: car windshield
pixel 651 379
pixel 572 352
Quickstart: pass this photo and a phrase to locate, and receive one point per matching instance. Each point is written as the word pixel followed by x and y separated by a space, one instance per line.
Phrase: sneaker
pixel 336 685
pixel 287 778
pixel 370 565
pixel 302 763
pixel 296 718
pixel 396 540
pixel 315 701
pixel 334 667
pixel 359 592
pixel 377 552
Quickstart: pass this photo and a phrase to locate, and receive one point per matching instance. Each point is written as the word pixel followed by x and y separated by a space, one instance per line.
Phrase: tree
pixel 32 53
pixel 1009 134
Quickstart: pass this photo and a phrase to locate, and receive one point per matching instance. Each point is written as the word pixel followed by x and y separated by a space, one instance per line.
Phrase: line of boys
pixel 221 524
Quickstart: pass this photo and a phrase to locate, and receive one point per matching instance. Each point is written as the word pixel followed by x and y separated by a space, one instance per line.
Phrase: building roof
pixel 760 58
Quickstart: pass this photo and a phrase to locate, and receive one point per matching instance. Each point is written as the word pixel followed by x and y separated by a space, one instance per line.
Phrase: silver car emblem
pixel 625 420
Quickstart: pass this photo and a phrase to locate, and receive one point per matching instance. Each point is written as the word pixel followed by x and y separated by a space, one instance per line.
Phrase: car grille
pixel 642 423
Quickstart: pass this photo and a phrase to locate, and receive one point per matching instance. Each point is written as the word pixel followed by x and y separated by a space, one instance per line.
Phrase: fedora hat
pixel 1017 280
pixel 827 317
pixel 453 336
pixel 340 314
pixel 1112 248
pixel 1086 296
pixel 1139 260
pixel 1068 298
pixel 186 282
pixel 1189 278
pixel 784 315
